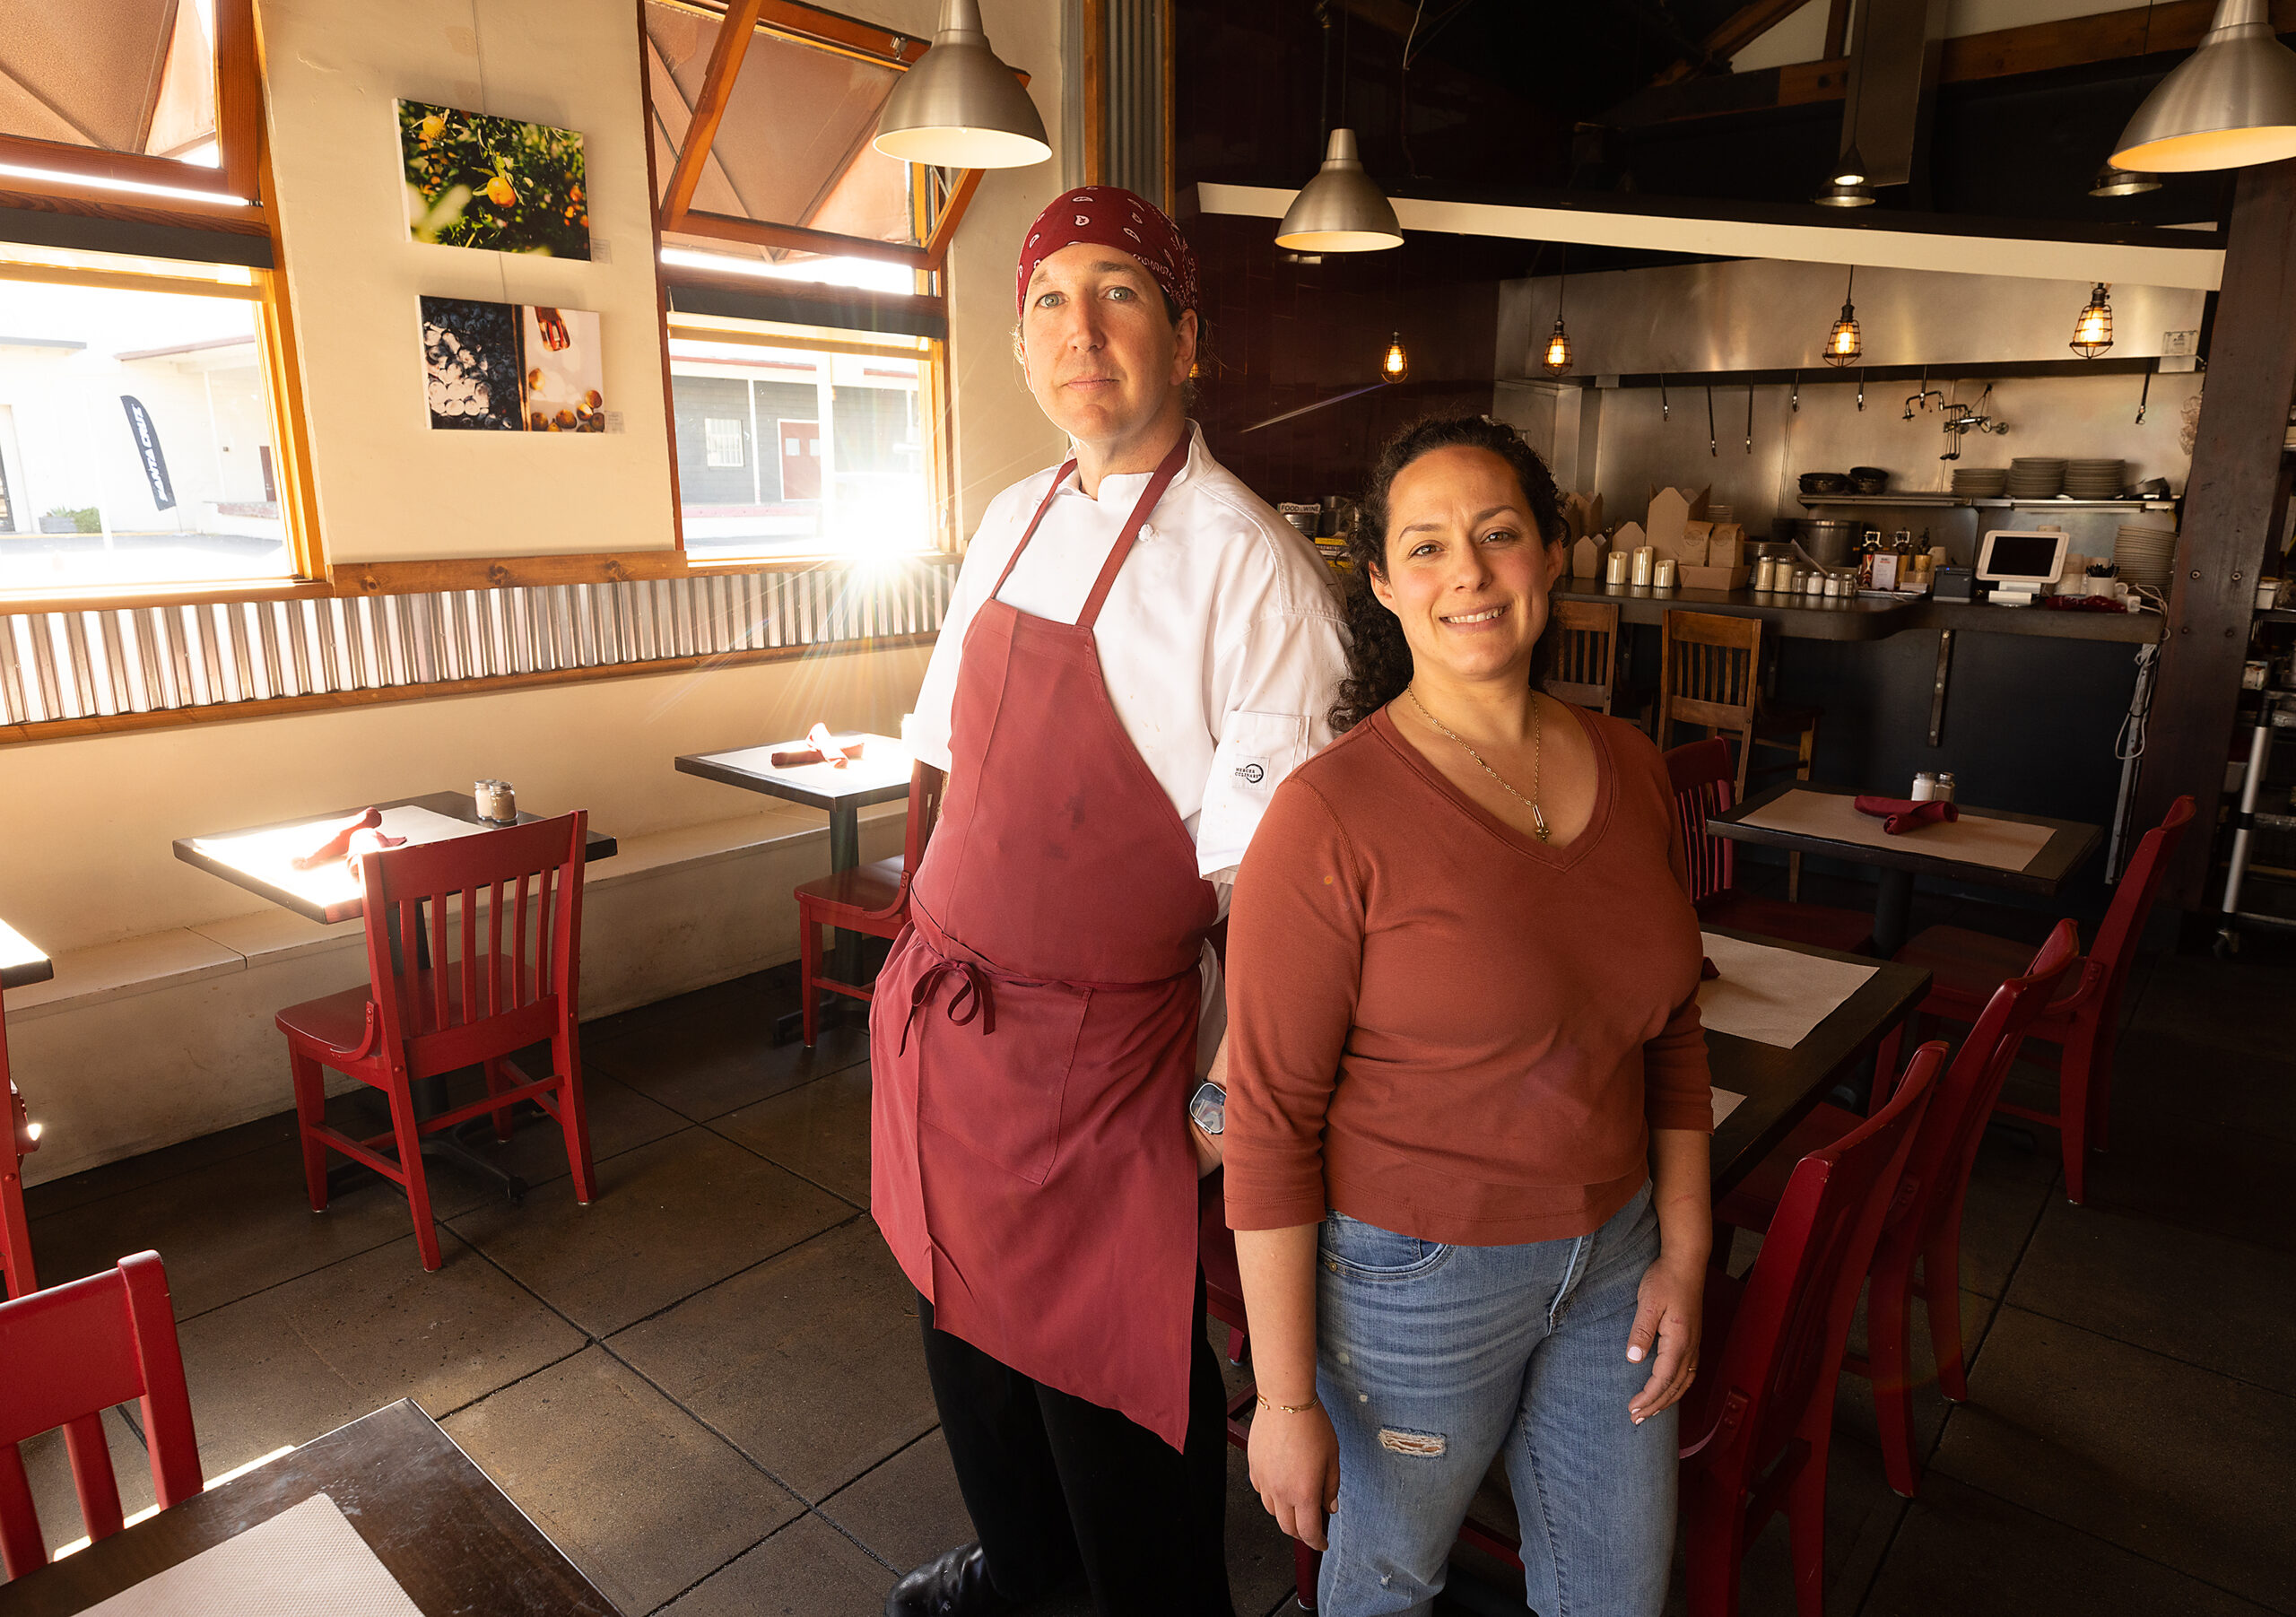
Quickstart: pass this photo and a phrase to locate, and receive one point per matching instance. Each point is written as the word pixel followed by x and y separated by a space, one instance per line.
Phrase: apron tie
pixel 971 999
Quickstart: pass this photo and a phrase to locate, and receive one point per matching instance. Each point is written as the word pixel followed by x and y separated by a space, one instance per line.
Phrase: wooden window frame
pixel 222 198
pixel 741 22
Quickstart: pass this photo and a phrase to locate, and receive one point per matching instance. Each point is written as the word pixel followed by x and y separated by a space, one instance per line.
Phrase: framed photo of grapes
pixel 511 368
pixel 494 183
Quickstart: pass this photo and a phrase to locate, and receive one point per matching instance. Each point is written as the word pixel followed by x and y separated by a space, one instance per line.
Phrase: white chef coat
pixel 1220 641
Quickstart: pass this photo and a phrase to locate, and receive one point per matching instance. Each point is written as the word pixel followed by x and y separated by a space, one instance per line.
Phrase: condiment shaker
pixel 1925 786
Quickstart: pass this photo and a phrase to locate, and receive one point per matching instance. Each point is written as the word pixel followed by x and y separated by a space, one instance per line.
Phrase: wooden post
pixel 2234 504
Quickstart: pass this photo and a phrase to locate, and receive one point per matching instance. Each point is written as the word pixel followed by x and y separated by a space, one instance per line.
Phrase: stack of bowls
pixel 2146 556
pixel 2036 477
pixel 1980 483
pixel 2096 479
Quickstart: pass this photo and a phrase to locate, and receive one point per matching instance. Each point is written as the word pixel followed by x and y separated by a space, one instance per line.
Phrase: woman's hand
pixel 1295 1467
pixel 1666 1320
pixel 1207 1150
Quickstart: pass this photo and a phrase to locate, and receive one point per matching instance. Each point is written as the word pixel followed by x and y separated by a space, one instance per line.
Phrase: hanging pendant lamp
pixel 1341 210
pixel 2229 104
pixel 1850 169
pixel 2092 329
pixel 961 107
pixel 1844 196
pixel 1558 345
pixel 1843 343
pixel 1396 365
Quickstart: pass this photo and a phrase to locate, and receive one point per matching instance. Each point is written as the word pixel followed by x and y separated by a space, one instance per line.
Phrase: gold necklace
pixel 1538 757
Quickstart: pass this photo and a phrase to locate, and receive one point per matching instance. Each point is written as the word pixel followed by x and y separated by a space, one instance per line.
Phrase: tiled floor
pixel 707 1387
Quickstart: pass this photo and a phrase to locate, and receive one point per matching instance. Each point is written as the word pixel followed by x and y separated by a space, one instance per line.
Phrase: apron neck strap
pixel 1157 483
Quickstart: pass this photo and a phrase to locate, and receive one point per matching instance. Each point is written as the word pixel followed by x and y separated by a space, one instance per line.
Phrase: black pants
pixel 1057 1486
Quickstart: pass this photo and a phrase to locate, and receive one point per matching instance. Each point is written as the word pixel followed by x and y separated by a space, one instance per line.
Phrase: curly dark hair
pixel 1379 657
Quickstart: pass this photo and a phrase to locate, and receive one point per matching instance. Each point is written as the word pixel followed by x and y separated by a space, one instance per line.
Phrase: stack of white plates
pixel 2095 479
pixel 2036 477
pixel 2145 555
pixel 1980 483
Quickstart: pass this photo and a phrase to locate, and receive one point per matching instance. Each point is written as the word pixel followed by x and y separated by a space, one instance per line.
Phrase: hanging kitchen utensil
pixel 1749 418
pixel 1713 444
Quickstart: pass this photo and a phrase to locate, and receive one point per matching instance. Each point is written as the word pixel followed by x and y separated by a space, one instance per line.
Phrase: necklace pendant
pixel 1538 823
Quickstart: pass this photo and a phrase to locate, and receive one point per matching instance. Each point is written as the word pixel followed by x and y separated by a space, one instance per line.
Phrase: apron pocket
pixel 999 1095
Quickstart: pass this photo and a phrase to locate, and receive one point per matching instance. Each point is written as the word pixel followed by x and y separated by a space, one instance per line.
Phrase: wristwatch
pixel 1207 1109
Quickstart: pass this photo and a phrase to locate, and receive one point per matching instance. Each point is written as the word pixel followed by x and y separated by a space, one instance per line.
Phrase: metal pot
pixel 1830 542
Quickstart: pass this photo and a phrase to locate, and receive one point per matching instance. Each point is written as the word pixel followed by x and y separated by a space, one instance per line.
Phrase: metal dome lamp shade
pixel 2092 329
pixel 1341 210
pixel 1844 343
pixel 961 107
pixel 2229 104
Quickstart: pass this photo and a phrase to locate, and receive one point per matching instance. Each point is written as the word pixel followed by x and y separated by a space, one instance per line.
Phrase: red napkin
pixel 840 753
pixel 338 840
pixel 1900 815
pixel 366 839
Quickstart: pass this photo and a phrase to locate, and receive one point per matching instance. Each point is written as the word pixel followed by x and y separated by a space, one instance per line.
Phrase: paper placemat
pixel 1725 1101
pixel 307 1561
pixel 1772 995
pixel 270 856
pixel 1974 838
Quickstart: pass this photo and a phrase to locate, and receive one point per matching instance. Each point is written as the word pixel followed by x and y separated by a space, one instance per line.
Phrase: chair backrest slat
pixel 490 871
pixel 1700 774
pixel 1584 668
pixel 73 1351
pixel 1708 664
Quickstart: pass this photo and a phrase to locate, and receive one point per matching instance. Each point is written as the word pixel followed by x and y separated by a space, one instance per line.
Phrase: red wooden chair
pixel 21 1138
pixel 2076 1032
pixel 1925 1222
pixel 1705 784
pixel 72 1351
pixel 1759 1426
pixel 872 898
pixel 473 1003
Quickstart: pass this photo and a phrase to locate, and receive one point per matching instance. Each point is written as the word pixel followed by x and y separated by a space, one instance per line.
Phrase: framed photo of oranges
pixel 494 183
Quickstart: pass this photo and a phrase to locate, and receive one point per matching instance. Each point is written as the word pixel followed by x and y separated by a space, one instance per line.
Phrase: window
pixel 797 440
pixel 137 430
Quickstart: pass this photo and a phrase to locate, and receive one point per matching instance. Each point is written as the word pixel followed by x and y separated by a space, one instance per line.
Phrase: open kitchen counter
pixel 1866 617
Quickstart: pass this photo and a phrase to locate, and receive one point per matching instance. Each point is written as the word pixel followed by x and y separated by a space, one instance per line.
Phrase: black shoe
pixel 952 1584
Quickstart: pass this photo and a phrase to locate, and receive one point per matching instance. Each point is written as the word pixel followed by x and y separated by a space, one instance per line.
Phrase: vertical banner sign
pixel 147 448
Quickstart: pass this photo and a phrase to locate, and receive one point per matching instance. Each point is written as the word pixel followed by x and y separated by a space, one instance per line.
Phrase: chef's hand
pixel 1666 1319
pixel 1207 1150
pixel 1295 1467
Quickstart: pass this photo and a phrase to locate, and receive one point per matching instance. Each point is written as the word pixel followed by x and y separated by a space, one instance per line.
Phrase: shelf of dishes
pixel 1992 503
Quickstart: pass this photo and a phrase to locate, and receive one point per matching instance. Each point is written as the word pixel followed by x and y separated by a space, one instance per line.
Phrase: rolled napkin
pixel 843 754
pixel 367 840
pixel 825 743
pixel 1899 816
pixel 338 840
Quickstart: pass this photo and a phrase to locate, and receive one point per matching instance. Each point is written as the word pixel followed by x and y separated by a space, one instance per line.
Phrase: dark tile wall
pixel 1285 334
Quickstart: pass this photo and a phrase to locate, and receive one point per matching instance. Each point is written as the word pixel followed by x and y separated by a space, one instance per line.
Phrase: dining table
pixel 876 770
pixel 260 858
pixel 1991 847
pixel 1786 1023
pixel 383 1515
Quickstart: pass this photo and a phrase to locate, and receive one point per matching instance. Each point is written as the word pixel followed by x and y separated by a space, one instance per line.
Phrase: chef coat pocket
pixel 1255 752
pixel 999 1095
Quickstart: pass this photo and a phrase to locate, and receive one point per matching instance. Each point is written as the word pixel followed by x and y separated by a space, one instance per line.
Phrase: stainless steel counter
pixel 1866 618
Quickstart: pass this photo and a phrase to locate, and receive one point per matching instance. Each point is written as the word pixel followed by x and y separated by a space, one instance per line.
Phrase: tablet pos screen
pixel 2015 557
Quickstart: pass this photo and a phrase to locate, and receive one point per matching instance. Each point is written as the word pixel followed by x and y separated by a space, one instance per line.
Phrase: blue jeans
pixel 1433 1360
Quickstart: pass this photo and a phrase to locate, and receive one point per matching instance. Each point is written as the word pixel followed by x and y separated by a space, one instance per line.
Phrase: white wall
pixel 389 487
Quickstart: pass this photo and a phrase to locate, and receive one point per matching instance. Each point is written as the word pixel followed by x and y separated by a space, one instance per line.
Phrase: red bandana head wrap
pixel 1112 216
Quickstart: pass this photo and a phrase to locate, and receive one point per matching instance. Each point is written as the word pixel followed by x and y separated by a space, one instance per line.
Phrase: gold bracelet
pixel 1287 1409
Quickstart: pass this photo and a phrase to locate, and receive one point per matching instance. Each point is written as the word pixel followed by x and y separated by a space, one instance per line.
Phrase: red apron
pixel 1032 1035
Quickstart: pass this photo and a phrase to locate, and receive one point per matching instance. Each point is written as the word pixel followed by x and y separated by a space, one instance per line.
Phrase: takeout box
pixel 1716 577
pixel 1586 556
pixel 1672 511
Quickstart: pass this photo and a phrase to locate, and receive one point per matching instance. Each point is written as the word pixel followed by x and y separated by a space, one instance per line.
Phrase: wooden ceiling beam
pixel 733 36
pixel 1741 29
pixel 2005 53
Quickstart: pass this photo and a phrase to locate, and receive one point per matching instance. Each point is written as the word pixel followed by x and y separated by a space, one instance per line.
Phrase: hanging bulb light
pixel 1340 210
pixel 961 107
pixel 2093 330
pixel 2123 182
pixel 1558 345
pixel 1843 343
pixel 1396 364
pixel 2229 104
pixel 1850 171
pixel 1558 350
pixel 1840 195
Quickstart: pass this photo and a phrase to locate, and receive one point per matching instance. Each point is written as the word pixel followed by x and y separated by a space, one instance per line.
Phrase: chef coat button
pixel 1147 531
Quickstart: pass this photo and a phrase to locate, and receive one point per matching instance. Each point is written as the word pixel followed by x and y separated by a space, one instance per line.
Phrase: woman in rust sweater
pixel 1466 1135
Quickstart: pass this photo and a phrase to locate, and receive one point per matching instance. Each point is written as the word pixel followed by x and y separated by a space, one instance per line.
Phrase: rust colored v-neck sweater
pixel 1438 1025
